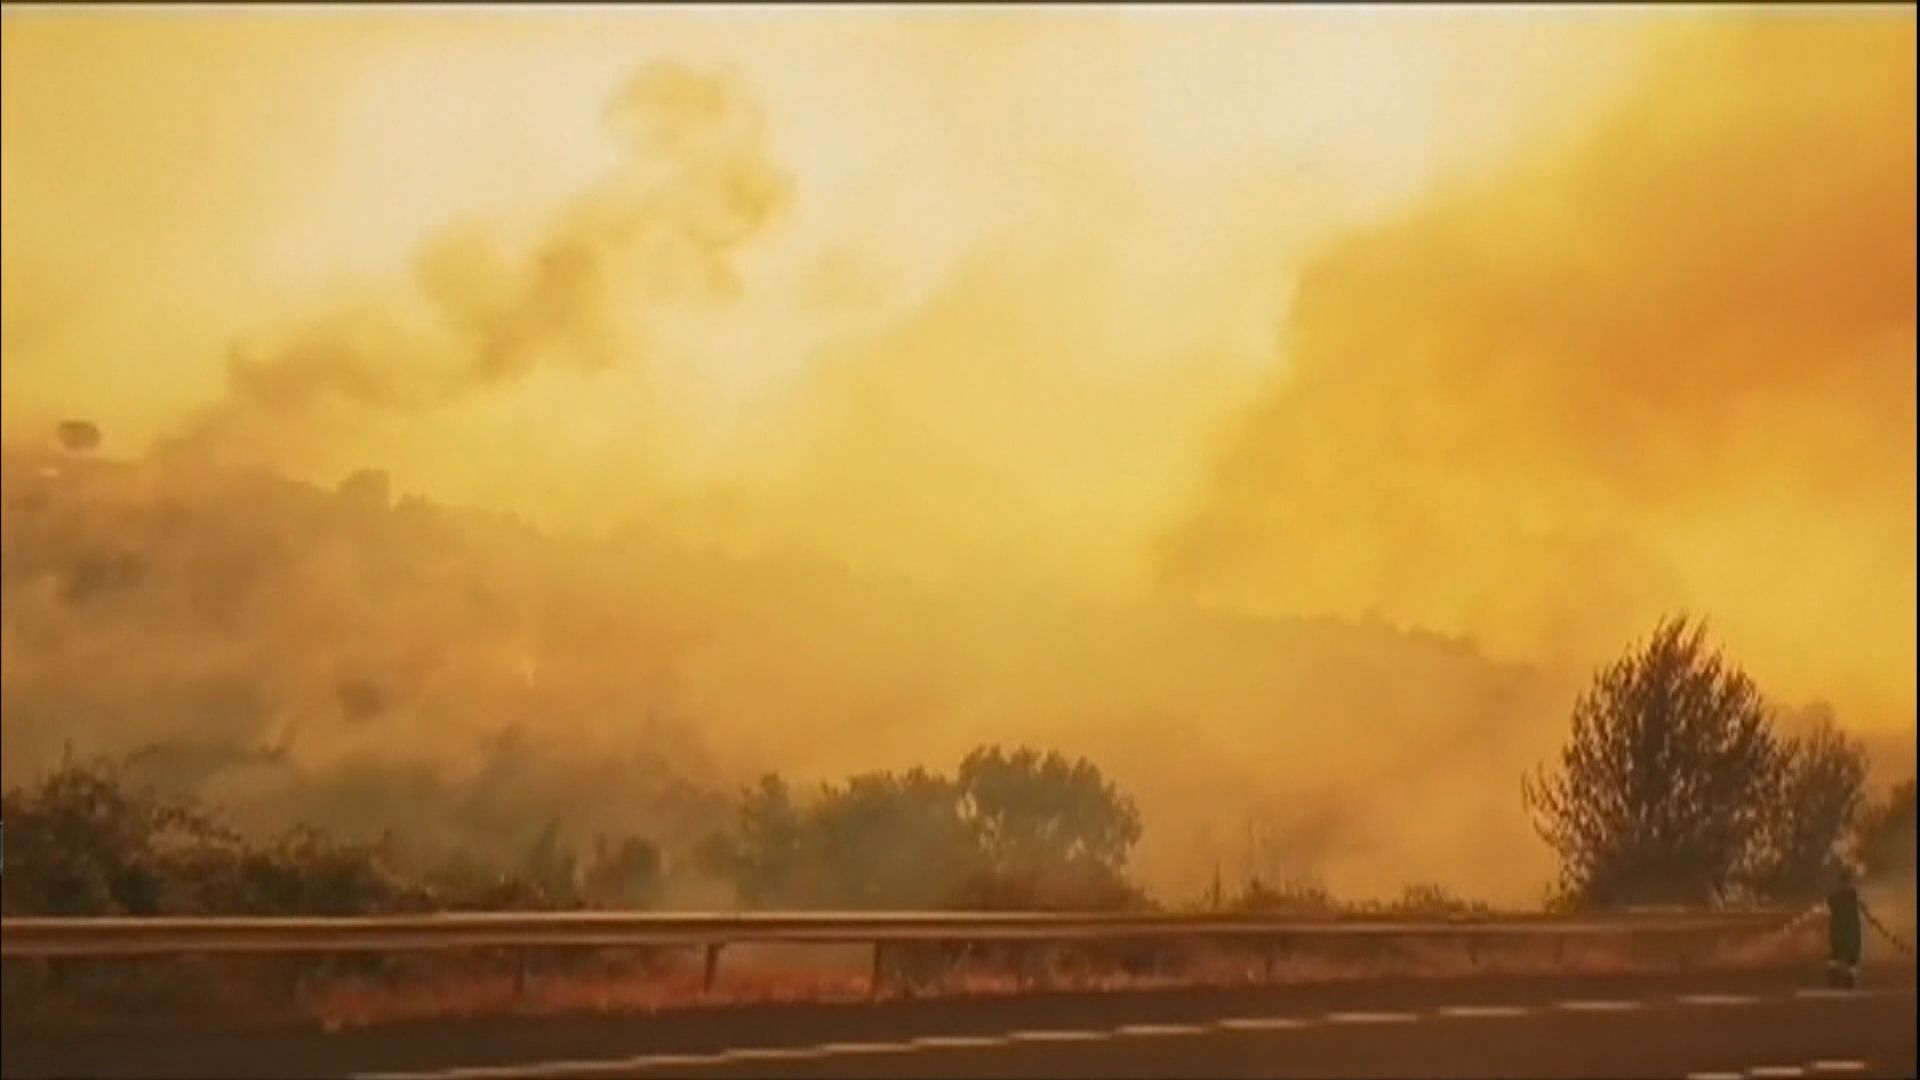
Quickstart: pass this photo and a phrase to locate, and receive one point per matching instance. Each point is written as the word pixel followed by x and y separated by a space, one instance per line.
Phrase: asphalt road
pixel 1753 1024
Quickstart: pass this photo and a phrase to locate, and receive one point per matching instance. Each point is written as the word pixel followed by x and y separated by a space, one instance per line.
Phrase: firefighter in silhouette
pixel 1843 933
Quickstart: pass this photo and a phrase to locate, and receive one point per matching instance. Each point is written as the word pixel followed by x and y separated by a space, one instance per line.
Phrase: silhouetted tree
pixel 1669 775
pixel 1016 829
pixel 761 857
pixel 1885 838
pixel 551 868
pixel 1031 811
pixel 1799 848
pixel 1051 833
pixel 86 842
pixel 885 840
pixel 623 875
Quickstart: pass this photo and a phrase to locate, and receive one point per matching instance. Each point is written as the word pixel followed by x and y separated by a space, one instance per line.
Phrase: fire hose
pixel 1891 937
pixel 1816 910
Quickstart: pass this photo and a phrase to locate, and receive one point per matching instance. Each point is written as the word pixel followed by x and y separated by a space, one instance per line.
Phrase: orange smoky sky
pixel 1666 363
pixel 1109 353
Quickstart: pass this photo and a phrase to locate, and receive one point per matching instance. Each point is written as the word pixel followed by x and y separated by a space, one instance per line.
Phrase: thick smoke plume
pixel 1671 364
pixel 693 183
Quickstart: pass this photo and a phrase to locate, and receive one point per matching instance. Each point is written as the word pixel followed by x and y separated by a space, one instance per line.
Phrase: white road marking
pixel 773 1053
pixel 653 1061
pixel 1475 1012
pixel 1159 1029
pixel 548 1068
pixel 1262 1023
pixel 1250 1023
pixel 1371 1018
pixel 1600 1006
pixel 1057 1036
pixel 959 1041
pixel 862 1048
pixel 469 1072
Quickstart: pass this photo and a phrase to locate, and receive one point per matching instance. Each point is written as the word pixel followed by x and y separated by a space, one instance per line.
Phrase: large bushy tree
pixel 1051 832
pixel 1668 778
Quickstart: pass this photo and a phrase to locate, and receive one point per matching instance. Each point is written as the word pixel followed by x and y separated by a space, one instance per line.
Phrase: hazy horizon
pixel 1285 408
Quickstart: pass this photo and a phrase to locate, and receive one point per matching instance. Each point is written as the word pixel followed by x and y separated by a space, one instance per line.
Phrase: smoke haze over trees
pixel 521 434
pixel 1016 830
pixel 281 651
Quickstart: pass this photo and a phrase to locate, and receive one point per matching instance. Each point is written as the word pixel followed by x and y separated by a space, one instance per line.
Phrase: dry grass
pixel 278 990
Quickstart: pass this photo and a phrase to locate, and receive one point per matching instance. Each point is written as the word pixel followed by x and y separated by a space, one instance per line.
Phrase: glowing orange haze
pixel 1082 342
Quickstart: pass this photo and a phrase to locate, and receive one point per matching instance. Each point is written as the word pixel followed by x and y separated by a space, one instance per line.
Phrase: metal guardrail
pixel 50 938
pixel 30 937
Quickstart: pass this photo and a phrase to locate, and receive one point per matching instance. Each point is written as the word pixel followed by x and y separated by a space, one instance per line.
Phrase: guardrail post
pixel 712 967
pixel 1035 965
pixel 879 956
pixel 1707 948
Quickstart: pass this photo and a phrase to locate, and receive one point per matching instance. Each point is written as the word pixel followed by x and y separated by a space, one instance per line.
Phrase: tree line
pixel 1679 784
pixel 1011 829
